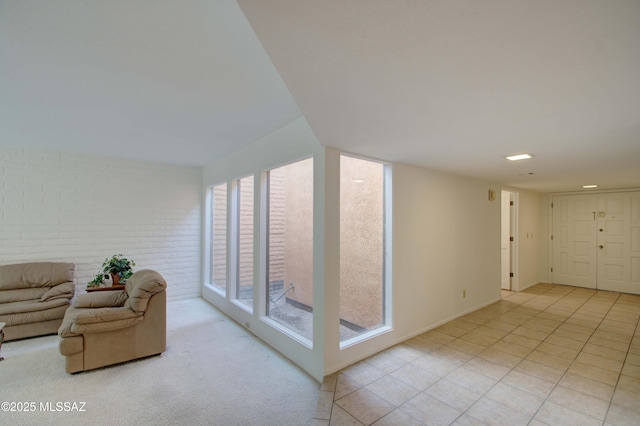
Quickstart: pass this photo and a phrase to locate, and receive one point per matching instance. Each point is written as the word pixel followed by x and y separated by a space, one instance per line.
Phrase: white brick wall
pixel 82 209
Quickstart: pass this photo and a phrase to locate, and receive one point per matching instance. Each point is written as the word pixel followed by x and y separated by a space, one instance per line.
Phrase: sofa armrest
pixel 60 291
pixel 101 299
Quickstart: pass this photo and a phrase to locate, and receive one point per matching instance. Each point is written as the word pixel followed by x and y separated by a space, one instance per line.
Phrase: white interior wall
pixel 446 240
pixel 82 209
pixel 531 237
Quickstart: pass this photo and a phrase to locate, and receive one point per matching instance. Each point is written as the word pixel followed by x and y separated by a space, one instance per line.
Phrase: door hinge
pixel 551 205
pixel 551 237
pixel 511 203
pixel 511 239
pixel 510 274
pixel 552 269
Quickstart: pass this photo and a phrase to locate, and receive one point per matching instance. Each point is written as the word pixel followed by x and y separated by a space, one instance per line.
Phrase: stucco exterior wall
pixel 298 226
pixel 361 245
pixel 291 230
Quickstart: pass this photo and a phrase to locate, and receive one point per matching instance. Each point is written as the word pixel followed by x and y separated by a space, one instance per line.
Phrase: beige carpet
pixel 213 373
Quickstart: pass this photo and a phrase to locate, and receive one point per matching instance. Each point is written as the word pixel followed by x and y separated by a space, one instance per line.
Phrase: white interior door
pixel 574 240
pixel 619 242
pixel 505 247
pixel 596 241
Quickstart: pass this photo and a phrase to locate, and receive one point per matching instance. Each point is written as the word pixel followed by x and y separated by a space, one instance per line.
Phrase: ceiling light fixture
pixel 358 181
pixel 519 157
pixel 589 186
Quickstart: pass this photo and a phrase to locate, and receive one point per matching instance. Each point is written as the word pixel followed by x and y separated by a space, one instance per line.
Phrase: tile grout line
pixel 624 362
pixel 475 356
pixel 534 348
pixel 509 333
pixel 563 322
pixel 584 344
pixel 559 299
pixel 556 328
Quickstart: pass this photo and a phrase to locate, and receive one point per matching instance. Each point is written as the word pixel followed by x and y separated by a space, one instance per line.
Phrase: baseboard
pixel 530 285
pixel 335 368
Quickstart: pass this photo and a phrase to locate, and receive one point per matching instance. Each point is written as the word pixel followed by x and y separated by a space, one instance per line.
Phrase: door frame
pixel 513 227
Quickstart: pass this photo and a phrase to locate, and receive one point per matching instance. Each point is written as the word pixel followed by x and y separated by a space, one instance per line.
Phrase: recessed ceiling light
pixel 358 181
pixel 589 186
pixel 518 157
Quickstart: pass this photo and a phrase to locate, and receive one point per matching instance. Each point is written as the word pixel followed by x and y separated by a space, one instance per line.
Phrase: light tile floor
pixel 550 355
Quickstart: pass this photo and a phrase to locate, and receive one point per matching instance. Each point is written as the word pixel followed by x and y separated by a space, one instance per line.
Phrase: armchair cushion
pixel 60 291
pixel 102 299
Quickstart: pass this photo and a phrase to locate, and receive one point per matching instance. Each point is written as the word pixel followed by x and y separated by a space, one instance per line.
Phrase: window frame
pixel 265 209
pixel 387 253
pixel 235 243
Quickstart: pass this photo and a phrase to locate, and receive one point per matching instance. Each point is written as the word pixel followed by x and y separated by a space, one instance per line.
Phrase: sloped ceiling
pixel 458 85
pixel 453 85
pixel 181 82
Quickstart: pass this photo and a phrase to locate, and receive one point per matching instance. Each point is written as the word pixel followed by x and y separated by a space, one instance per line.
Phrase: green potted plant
pixel 97 280
pixel 117 267
pixel 120 268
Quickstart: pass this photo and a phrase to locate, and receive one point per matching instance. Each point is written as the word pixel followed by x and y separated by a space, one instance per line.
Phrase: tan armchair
pixel 110 327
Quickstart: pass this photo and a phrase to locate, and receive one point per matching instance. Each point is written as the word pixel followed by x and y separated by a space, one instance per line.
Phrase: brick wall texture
pixel 82 209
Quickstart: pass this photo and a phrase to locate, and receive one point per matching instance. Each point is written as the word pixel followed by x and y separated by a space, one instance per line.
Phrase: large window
pixel 363 239
pixel 218 238
pixel 244 242
pixel 267 261
pixel 290 247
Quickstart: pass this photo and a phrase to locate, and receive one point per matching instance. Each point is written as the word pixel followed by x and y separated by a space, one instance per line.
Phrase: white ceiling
pixel 180 82
pixel 451 85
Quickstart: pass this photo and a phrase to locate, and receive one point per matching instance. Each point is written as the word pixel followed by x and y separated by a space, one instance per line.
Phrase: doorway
pixel 508 208
pixel 596 241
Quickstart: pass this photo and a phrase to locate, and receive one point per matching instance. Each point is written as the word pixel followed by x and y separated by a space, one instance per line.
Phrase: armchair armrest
pixel 103 299
pixel 104 319
pixel 93 316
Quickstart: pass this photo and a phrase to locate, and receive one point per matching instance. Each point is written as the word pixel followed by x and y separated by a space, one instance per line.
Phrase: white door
pixel 574 240
pixel 505 247
pixel 619 242
pixel 596 241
